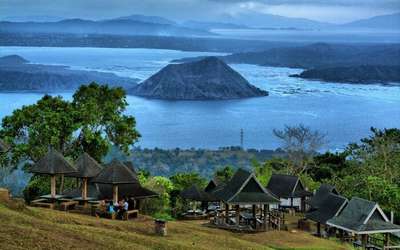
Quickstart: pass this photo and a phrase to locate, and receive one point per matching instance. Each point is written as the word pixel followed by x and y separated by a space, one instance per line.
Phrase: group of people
pixel 110 208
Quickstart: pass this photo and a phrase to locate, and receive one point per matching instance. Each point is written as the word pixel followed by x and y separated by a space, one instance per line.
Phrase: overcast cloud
pixel 335 11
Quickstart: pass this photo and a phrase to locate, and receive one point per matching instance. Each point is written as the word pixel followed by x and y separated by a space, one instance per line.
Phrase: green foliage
pixel 263 171
pixel 185 180
pixel 163 216
pixel 224 174
pixel 373 169
pixel 91 122
pixel 163 186
pixel 168 162
pixel 309 182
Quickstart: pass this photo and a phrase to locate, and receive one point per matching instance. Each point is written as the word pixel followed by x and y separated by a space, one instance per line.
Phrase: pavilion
pixel 87 169
pixel 52 164
pixel 242 191
pixel 290 190
pixel 116 174
pixel 364 218
pixel 325 207
pixel 320 195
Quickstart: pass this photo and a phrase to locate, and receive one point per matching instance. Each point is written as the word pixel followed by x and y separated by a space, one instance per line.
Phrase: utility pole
pixel 241 138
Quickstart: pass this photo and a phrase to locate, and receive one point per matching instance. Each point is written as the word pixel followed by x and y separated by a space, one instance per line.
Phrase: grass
pixel 38 228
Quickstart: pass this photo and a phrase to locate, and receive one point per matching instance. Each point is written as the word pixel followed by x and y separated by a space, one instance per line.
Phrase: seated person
pixel 111 208
pixel 124 206
pixel 101 210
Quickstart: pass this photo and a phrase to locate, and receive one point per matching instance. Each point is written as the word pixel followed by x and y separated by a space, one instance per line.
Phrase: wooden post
pixel 265 216
pixel 364 240
pixel 226 212
pixel 53 186
pixel 387 239
pixel 237 214
pixel 254 217
pixel 115 193
pixel 62 184
pixel 84 188
pixel 319 229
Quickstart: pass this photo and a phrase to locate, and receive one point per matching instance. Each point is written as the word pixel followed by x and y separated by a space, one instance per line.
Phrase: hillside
pixel 16 74
pixel 317 55
pixel 36 228
pixel 124 26
pixel 354 74
pixel 384 22
pixel 207 79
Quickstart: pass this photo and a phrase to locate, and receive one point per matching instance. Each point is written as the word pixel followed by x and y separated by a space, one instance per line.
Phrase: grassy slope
pixel 36 228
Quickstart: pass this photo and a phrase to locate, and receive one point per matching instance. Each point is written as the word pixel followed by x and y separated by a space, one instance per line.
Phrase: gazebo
pixel 244 190
pixel 87 168
pixel 196 194
pixel 320 195
pixel 364 218
pixel 324 208
pixel 116 174
pixel 53 164
pixel 290 190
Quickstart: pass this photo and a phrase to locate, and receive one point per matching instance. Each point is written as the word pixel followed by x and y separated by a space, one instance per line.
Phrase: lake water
pixel 344 112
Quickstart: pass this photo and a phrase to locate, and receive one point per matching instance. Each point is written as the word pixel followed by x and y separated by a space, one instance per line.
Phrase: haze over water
pixel 345 112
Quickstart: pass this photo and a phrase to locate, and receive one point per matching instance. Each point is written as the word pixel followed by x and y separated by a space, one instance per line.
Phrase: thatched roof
pixel 287 186
pixel 3 147
pixel 104 191
pixel 116 173
pixel 196 194
pixel 323 191
pixel 361 216
pixel 328 207
pixel 129 164
pixel 126 190
pixel 86 166
pixel 211 185
pixel 244 187
pixel 53 163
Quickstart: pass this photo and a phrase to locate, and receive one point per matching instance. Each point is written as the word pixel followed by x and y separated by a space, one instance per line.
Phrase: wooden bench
pixel 65 205
pixel 135 213
pixel 42 203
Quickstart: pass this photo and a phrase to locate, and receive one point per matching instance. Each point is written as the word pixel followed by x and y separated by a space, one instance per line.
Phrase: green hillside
pixel 37 228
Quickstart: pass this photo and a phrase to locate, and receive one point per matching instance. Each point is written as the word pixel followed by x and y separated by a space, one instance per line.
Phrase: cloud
pixel 324 10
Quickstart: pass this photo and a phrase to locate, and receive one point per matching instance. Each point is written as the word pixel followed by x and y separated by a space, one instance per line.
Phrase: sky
pixel 333 11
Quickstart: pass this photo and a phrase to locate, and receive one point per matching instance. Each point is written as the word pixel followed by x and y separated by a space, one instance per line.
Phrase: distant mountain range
pixel 120 26
pixel 207 79
pixel 147 19
pixel 160 26
pixel 16 74
pixel 390 22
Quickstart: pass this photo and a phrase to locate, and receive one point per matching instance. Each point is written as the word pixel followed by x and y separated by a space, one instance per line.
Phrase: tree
pixel 224 174
pixel 300 143
pixel 263 171
pixel 91 122
pixel 185 180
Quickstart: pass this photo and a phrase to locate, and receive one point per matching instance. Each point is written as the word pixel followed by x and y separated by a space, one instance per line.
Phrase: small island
pixel 362 74
pixel 207 79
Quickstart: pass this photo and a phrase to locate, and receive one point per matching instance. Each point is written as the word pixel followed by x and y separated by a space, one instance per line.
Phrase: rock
pixel 206 79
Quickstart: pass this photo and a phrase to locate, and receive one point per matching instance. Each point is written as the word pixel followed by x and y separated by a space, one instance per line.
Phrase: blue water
pixel 344 112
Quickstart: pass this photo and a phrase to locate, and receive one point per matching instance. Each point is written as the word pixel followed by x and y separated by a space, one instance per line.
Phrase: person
pixel 101 210
pixel 111 208
pixel 123 207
